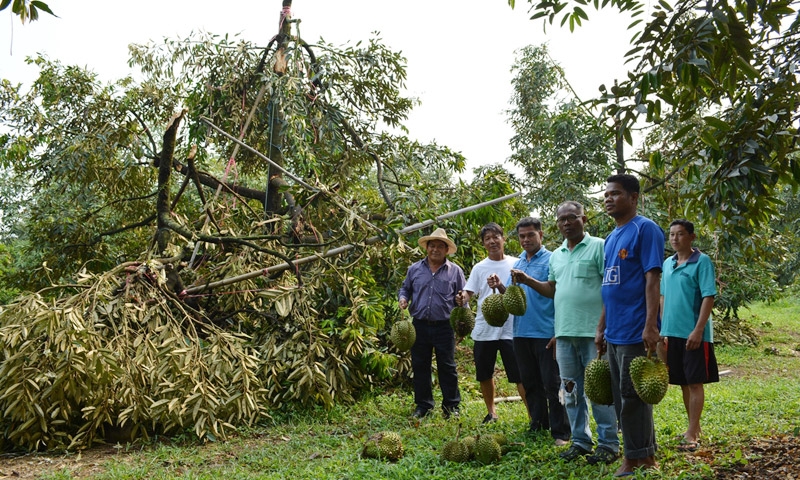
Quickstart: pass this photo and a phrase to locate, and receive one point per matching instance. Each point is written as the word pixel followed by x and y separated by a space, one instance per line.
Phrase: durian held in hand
pixel 597 381
pixel 462 320
pixel 494 309
pixel 403 334
pixel 514 299
pixel 650 378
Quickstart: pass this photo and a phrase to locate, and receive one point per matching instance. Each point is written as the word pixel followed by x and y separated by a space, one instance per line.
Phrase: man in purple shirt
pixel 429 292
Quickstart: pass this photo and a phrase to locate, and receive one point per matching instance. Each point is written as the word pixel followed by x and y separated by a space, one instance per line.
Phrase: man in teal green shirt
pixel 574 282
pixel 688 288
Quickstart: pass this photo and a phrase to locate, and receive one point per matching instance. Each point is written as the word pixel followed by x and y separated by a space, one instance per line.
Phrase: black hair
pixel 491 227
pixel 629 183
pixel 689 226
pixel 530 222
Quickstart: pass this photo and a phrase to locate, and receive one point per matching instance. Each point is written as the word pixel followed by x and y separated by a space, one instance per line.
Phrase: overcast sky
pixel 459 52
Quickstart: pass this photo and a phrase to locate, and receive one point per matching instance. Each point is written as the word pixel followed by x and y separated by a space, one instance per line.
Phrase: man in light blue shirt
pixel 534 335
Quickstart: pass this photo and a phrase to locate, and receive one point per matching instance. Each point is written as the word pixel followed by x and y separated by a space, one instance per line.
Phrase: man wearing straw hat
pixel 429 293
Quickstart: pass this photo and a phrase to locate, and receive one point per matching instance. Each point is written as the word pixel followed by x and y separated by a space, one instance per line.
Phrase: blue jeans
pixel 573 354
pixel 635 416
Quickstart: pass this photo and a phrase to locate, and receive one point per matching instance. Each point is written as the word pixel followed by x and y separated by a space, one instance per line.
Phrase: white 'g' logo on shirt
pixel 612 276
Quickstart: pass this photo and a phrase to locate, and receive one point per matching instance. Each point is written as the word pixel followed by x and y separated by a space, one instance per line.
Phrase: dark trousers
pixel 635 416
pixel 439 337
pixel 541 379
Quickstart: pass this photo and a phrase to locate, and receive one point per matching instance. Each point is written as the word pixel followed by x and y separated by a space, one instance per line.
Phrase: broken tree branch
pixel 344 248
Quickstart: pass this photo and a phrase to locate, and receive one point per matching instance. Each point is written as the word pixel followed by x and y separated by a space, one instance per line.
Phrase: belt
pixel 426 321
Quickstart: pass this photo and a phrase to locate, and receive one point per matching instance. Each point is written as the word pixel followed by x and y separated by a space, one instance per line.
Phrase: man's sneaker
pixel 420 413
pixel 489 418
pixel 602 455
pixel 448 412
pixel 573 452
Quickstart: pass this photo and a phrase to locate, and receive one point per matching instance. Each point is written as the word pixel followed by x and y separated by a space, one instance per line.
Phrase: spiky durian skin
pixel 650 378
pixel 597 382
pixel 514 300
pixel 384 445
pixel 494 312
pixel 462 320
pixel 403 335
pixel 455 451
pixel 487 449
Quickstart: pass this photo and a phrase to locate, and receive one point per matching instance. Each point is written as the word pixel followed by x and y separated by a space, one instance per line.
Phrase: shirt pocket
pixel 586 269
pixel 442 286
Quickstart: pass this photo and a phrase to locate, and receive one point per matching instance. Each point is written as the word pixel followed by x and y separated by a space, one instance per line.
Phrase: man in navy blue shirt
pixel 429 293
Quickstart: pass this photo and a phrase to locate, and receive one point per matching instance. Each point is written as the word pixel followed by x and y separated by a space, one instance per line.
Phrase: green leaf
pixel 42 6
pixel 717 123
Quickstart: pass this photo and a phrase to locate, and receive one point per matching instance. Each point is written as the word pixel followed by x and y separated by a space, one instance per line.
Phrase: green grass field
pixel 758 398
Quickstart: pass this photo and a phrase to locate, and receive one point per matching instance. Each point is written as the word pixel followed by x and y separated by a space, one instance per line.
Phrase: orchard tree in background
pixel 562 148
pixel 733 63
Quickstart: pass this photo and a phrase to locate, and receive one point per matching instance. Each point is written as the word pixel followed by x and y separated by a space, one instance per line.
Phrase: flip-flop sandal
pixel 687 446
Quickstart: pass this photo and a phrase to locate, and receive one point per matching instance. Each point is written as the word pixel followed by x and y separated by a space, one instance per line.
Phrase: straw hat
pixel 438 234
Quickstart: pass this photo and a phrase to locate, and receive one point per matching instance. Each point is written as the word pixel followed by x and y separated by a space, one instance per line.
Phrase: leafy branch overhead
pixel 733 64
pixel 27 11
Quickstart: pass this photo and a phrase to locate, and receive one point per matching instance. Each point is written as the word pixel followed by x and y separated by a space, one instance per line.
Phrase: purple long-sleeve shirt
pixel 432 295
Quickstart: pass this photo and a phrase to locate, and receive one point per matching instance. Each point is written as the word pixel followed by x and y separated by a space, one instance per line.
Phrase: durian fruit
pixel 597 382
pixel 515 300
pixel 469 442
pixel 462 320
pixel 494 312
pixel 384 445
pixel 487 449
pixel 403 335
pixel 650 378
pixel 455 451
pixel 502 440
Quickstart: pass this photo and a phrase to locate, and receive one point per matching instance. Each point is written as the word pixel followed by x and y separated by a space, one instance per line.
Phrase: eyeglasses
pixel 566 219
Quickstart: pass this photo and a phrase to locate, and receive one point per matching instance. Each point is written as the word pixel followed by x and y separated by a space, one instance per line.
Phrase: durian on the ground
pixel 487 450
pixel 456 451
pixel 384 445
pixel 650 378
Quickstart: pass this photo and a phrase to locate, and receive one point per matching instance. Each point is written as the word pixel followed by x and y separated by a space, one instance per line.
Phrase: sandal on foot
pixel 687 446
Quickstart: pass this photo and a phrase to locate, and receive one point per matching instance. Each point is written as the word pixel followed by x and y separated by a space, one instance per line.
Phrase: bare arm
pixel 600 334
pixel 545 289
pixel 695 338
pixel 651 336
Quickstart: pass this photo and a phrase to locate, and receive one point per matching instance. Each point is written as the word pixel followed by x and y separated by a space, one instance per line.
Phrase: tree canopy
pixel 731 64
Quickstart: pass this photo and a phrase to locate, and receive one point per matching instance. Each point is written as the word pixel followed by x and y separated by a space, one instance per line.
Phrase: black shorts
pixel 485 354
pixel 688 367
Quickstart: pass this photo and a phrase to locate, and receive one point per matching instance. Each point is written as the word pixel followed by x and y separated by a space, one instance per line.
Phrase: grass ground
pixel 751 429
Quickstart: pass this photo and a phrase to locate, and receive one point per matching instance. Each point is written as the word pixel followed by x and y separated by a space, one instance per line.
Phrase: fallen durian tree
pixel 120 355
pixel 204 303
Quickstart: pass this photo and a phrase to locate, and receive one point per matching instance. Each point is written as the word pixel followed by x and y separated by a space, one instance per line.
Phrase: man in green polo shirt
pixel 574 282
